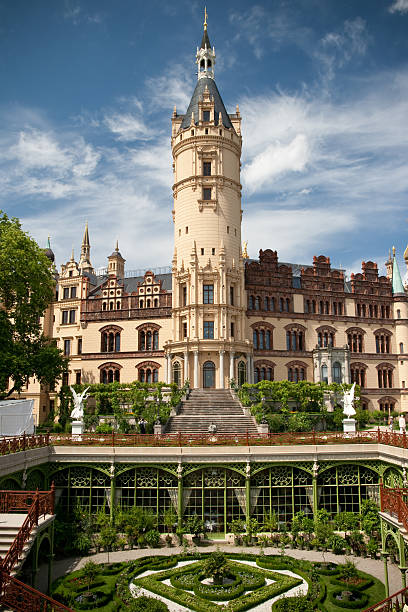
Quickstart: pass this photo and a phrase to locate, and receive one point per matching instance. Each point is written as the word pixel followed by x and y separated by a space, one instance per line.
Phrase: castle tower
pixel 401 331
pixel 208 272
pixel 85 259
pixel 116 263
pixel 388 266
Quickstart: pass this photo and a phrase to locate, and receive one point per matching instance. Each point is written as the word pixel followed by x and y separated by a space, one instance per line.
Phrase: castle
pixel 216 315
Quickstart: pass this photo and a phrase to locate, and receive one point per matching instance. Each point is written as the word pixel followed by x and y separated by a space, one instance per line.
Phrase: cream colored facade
pixel 210 319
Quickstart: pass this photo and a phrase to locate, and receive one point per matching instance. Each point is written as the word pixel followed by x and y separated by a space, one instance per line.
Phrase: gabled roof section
pixel 218 104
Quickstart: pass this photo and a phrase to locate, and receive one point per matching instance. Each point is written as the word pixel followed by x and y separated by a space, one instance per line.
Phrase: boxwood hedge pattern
pixel 247 589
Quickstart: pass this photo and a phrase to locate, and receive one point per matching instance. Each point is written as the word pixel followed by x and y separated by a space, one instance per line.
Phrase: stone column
pixel 185 365
pixel 196 370
pixel 231 374
pixel 347 368
pixel 250 369
pixel 222 369
pixel 168 371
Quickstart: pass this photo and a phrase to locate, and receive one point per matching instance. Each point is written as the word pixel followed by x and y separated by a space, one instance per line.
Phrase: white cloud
pixel 276 159
pixel 336 49
pixel 127 126
pixel 399 6
pixel 172 88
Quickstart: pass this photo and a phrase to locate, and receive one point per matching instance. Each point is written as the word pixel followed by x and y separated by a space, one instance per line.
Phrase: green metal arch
pixel 65 466
pixel 267 467
pixel 323 468
pixel 149 465
pixel 213 465
pixel 12 478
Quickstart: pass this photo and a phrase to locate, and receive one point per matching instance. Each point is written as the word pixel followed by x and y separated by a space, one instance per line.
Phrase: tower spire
pixel 205 57
pixel 397 286
pixel 85 261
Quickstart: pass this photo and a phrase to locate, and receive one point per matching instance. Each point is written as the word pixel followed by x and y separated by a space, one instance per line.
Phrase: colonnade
pixel 195 377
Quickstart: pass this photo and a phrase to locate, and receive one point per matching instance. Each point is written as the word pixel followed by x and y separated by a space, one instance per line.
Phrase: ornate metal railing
pixel 14 444
pixel 393 603
pixel 42 503
pixel 393 501
pixel 207 439
pixel 16 595
pixel 18 443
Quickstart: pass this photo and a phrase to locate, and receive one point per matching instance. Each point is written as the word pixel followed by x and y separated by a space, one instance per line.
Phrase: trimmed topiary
pixel 359 602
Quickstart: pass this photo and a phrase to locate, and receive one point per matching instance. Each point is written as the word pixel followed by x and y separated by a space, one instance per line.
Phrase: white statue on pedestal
pixel 78 411
pixel 348 402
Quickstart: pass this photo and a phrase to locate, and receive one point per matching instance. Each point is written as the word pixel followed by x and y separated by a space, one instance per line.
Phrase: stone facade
pixel 216 315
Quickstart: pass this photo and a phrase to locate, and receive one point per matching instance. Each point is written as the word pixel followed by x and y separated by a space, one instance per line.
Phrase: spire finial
pixel 48 242
pixel 205 18
pixel 72 255
pixel 117 246
pixel 393 251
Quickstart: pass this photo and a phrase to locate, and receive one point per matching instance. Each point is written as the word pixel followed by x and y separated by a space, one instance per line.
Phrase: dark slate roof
pixel 218 104
pixel 205 41
pixel 132 283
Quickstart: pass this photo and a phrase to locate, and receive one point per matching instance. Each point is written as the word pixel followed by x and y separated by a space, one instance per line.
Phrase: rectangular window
pixel 65 379
pixel 64 319
pixel 207 168
pixel 207 193
pixel 78 377
pixel 202 251
pixel 208 329
pixel 72 316
pixel 232 296
pixel 73 292
pixel 184 295
pixel 208 294
pixel 66 293
pixel 212 251
pixel 67 347
pixel 79 346
pixel 232 329
pixel 206 115
pixel 185 329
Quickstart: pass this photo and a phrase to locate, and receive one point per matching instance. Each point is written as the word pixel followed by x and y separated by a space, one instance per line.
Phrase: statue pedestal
pixel 77 430
pixel 158 429
pixel 349 425
pixel 263 428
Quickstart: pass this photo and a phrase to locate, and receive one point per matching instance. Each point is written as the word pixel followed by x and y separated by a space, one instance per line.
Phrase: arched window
pixel 257 303
pixel 296 371
pixel 110 339
pixel 262 336
pixel 251 302
pixel 337 377
pixel 385 376
pixel 255 338
pixel 148 337
pixel 295 337
pixel 401 347
pixel 264 370
pixel 177 373
pixel 324 373
pixel 104 306
pixel 355 337
pixel 110 372
pixel 382 341
pixel 241 373
pixel 325 336
pixel 148 371
pixel 387 405
pixel 358 373
pixel 266 303
pixel 156 302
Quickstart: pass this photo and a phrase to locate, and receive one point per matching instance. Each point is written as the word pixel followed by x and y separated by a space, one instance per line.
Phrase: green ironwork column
pixel 180 496
pixel 248 491
pixel 314 488
pixel 402 563
pixel 112 491
pixel 384 556
pixel 50 556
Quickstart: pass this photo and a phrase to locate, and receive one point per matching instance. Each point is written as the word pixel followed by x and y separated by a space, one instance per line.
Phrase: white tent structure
pixel 16 417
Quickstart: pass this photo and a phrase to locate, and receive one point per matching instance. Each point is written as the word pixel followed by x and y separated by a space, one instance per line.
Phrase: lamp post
pixel 158 411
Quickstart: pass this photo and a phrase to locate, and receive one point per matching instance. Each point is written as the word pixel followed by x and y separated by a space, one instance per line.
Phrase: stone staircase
pixel 206 406
pixel 10 525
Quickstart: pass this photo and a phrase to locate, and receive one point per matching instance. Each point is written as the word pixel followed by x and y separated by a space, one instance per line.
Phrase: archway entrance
pixel 209 374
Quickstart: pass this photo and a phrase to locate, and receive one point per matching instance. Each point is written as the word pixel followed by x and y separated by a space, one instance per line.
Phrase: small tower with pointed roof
pixel 388 266
pixel 85 259
pixel 116 263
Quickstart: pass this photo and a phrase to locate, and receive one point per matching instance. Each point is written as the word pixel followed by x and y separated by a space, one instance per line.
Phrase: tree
pixel 26 289
pixel 215 566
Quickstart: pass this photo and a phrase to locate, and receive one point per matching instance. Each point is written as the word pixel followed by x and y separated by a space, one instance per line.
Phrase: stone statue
pixel 348 402
pixel 245 250
pixel 78 411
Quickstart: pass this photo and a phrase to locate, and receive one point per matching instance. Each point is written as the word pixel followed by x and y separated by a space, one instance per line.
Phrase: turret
pixel 116 263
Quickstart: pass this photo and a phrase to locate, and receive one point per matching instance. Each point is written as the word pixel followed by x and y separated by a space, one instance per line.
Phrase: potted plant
pixel 215 566
pixel 237 527
pixel 196 527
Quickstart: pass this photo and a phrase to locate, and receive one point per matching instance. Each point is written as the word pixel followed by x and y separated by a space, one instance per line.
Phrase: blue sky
pixel 88 87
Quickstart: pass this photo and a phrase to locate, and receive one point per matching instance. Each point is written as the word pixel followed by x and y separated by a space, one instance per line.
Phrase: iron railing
pixel 393 603
pixel 16 595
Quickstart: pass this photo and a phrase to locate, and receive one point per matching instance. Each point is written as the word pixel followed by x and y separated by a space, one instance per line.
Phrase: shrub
pixel 293 604
pixel 195 525
pixel 358 604
pixel 215 566
pixel 347 570
pixel 346 521
pixel 153 538
pixel 146 604
pixel 337 544
pixel 104 428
